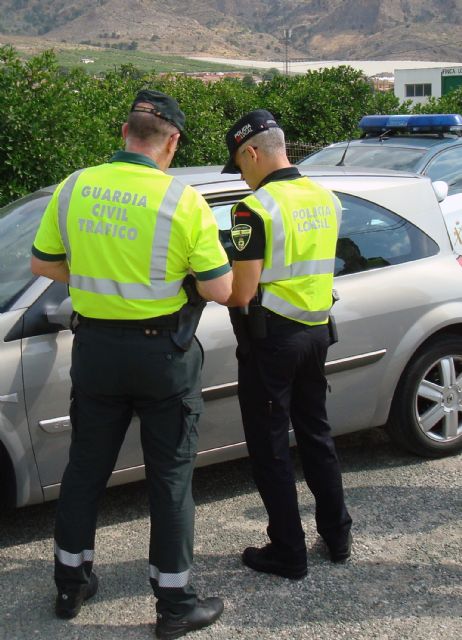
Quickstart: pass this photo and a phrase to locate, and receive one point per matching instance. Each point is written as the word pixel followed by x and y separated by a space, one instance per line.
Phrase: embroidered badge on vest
pixel 240 235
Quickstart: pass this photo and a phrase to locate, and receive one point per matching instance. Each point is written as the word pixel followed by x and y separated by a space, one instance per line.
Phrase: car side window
pixel 447 166
pixel 222 213
pixel 18 225
pixel 371 237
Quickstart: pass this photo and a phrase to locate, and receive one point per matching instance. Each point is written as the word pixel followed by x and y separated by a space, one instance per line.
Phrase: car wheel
pixel 426 413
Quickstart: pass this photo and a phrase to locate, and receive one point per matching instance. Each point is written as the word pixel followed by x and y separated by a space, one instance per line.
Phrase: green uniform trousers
pixel 115 373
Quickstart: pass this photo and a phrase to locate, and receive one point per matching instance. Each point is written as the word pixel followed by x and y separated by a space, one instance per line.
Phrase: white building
pixel 419 84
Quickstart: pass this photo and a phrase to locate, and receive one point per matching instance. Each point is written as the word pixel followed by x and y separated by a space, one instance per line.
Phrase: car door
pixel 46 359
pixel 376 249
pixel 221 423
pixel 379 258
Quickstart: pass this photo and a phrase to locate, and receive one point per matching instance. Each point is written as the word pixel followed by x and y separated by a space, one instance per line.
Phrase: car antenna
pixel 383 134
pixel 341 162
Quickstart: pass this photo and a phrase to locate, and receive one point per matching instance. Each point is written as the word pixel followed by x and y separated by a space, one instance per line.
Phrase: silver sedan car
pixel 398 360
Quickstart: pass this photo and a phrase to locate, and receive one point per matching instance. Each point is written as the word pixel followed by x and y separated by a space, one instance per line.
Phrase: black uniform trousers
pixel 281 380
pixel 116 372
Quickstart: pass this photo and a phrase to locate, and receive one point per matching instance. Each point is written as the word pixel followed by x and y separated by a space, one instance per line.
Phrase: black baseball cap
pixel 164 107
pixel 248 126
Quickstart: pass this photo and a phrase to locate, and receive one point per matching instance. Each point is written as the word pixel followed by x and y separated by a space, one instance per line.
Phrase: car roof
pixel 407 194
pixel 207 175
pixel 409 141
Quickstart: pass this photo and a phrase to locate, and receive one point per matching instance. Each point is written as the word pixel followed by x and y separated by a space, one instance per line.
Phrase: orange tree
pixel 55 121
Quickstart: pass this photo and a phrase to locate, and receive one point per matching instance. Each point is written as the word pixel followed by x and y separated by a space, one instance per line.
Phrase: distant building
pixel 420 84
pixel 216 76
pixel 86 60
pixel 383 81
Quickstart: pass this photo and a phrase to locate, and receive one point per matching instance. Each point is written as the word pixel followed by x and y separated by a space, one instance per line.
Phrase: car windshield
pixel 372 156
pixel 18 224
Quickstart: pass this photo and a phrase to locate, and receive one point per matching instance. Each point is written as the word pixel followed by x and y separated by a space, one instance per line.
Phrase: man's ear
pixel 252 152
pixel 173 142
pixel 125 130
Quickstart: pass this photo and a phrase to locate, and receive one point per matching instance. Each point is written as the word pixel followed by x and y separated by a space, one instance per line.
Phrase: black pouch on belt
pixel 257 322
pixel 189 315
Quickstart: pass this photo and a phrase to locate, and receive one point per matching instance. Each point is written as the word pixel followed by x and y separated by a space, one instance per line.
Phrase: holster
pixel 189 315
pixel 249 323
pixel 257 321
pixel 74 322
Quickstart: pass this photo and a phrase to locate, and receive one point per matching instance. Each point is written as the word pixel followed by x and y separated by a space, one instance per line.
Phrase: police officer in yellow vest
pixel 284 238
pixel 124 235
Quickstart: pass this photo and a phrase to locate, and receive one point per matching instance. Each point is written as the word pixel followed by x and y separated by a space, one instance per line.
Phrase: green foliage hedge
pixel 55 121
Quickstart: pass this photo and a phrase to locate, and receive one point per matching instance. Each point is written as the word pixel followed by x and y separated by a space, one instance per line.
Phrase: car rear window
pixel 372 237
pixel 372 156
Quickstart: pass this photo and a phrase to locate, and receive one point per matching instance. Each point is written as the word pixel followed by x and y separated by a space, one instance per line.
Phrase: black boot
pixel 341 552
pixel 269 560
pixel 69 602
pixel 170 626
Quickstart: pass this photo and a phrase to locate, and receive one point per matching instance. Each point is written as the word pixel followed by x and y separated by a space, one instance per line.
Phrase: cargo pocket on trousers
pixel 192 408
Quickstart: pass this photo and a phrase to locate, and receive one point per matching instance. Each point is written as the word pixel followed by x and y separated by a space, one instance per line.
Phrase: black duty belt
pixel 161 325
pixel 274 320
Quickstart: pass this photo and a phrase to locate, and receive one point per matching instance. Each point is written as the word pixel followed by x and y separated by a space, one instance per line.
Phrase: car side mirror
pixel 441 189
pixel 60 315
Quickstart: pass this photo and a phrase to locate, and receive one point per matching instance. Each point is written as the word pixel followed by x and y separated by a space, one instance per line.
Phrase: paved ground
pixel 403 581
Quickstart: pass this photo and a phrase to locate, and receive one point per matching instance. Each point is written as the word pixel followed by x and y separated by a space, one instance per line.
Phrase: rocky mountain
pixel 319 29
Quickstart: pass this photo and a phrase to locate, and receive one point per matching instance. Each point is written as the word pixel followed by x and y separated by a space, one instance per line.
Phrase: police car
pixel 398 361
pixel 430 145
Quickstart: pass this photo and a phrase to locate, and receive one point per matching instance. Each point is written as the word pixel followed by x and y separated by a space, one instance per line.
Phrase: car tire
pixel 426 412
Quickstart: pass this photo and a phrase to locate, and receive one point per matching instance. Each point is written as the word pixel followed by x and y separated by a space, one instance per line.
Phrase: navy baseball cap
pixel 248 126
pixel 164 107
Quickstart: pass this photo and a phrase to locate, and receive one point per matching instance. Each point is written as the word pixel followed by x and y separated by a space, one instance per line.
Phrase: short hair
pixel 271 142
pixel 148 127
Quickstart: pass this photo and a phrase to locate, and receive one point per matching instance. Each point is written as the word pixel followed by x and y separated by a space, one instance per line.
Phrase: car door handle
pixel 11 397
pixel 56 425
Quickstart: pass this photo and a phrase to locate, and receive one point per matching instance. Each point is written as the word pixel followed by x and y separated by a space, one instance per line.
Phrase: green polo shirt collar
pixel 134 158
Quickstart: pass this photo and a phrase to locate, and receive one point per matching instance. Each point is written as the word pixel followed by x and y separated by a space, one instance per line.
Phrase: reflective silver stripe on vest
pixel 63 207
pixel 279 270
pixel 279 255
pixel 169 580
pixel 306 268
pixel 74 559
pixel 284 308
pixel 158 287
pixel 161 239
pixel 130 290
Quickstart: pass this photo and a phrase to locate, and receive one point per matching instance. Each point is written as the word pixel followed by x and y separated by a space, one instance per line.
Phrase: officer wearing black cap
pixel 125 235
pixel 284 236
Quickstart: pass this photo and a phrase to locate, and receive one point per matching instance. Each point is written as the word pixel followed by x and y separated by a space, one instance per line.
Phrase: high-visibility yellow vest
pixel 131 233
pixel 301 221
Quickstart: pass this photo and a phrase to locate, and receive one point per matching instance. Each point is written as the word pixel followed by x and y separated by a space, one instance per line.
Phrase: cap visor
pixel 230 167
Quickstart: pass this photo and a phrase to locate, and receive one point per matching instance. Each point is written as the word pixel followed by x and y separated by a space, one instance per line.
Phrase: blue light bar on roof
pixel 424 123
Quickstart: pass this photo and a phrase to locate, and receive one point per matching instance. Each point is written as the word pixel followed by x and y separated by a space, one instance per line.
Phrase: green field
pixel 108 59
